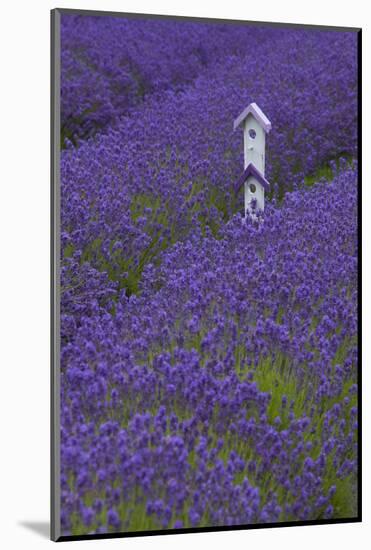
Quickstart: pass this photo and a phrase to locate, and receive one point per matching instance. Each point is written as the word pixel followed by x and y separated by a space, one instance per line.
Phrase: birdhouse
pixel 255 126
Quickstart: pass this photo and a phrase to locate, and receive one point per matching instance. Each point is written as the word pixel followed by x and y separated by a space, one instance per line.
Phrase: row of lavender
pixel 143 184
pixel 111 64
pixel 208 366
pixel 304 80
pixel 225 393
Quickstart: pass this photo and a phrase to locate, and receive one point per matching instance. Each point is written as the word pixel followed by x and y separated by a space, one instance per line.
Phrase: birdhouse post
pixel 255 126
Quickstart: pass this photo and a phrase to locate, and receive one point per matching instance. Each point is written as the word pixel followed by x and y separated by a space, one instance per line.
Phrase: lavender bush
pixel 110 64
pixel 208 363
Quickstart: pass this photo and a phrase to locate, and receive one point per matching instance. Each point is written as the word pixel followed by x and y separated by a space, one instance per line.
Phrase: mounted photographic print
pixel 205 274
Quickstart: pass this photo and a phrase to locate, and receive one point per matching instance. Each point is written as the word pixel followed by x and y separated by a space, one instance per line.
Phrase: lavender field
pixel 208 362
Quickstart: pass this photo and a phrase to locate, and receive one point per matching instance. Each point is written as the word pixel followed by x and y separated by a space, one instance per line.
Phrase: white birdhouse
pixel 255 126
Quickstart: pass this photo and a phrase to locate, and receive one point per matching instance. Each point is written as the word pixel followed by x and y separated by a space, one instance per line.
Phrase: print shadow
pixel 42 528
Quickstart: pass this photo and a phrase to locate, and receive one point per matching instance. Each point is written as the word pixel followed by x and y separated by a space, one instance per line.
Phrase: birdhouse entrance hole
pixel 252 187
pixel 252 133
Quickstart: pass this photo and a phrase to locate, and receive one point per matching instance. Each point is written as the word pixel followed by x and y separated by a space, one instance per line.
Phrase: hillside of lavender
pixel 208 362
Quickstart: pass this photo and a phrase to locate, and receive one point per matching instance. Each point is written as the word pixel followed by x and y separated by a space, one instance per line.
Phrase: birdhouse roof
pixel 257 113
pixel 251 170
